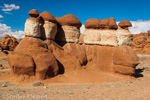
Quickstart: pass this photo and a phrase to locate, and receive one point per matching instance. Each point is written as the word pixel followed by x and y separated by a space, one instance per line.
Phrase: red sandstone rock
pixel 104 24
pixel 92 23
pixel 125 23
pixel 33 13
pixel 47 17
pixel 119 60
pixel 66 61
pixel 45 62
pixel 125 56
pixel 112 23
pixel 8 43
pixel 21 64
pixel 69 20
pixel 46 65
pixel 77 51
pixel 141 43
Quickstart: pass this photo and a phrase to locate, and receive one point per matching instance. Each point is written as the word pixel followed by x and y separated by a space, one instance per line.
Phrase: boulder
pixel 31 46
pixel 46 16
pixel 33 13
pixel 104 24
pixel 21 64
pixel 92 23
pixel 46 66
pixel 125 24
pixel 112 23
pixel 69 20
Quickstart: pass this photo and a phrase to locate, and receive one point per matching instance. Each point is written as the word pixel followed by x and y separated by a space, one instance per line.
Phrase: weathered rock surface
pixel 21 64
pixel 44 63
pixel 111 59
pixel 92 23
pixel 33 13
pixel 77 51
pixel 124 37
pixel 8 43
pixel 68 29
pixel 141 43
pixel 32 28
pixel 50 30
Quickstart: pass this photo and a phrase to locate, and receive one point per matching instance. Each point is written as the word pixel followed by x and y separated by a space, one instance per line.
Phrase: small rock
pixel 1 67
pixel 4 85
pixel 37 83
pixel 44 87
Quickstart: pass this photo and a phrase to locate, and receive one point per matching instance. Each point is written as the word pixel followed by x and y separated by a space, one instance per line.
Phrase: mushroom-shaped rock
pixel 69 20
pixel 125 24
pixel 104 24
pixel 49 29
pixel 123 34
pixel 112 23
pixel 48 17
pixel 69 29
pixel 92 23
pixel 33 13
pixel 32 28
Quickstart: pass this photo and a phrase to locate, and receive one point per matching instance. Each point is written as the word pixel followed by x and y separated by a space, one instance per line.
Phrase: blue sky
pixel 132 10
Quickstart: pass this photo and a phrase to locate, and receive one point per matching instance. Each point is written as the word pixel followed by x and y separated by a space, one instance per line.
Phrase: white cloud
pixel 4 29
pixel 137 26
pixel 8 13
pixel 10 7
pixel 1 16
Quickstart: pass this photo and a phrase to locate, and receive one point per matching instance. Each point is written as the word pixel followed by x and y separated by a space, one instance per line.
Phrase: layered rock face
pixel 100 32
pixel 8 43
pixel 141 43
pixel 51 46
pixel 105 32
pixel 120 59
pixel 68 29
pixel 104 54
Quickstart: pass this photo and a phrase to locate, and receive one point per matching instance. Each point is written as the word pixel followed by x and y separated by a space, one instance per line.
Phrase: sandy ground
pixel 77 85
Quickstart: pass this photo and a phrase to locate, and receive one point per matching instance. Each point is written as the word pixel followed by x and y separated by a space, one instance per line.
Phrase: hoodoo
pixel 123 34
pixel 50 47
pixel 68 30
pixel 101 32
pixel 32 28
pixel 49 26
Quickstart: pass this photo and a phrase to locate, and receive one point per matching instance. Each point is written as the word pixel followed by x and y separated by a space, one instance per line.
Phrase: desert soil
pixel 85 85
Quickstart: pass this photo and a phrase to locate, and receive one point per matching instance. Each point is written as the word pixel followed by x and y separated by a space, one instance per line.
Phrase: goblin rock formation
pixel 106 32
pixel 141 43
pixel 51 46
pixel 8 43
pixel 68 29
